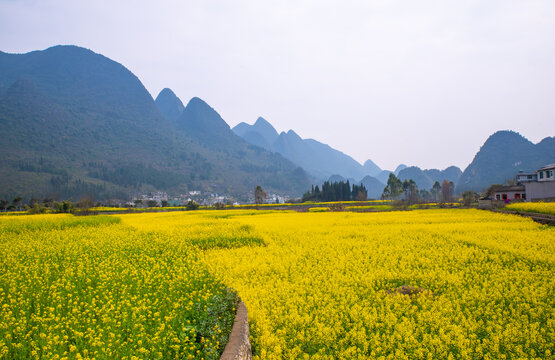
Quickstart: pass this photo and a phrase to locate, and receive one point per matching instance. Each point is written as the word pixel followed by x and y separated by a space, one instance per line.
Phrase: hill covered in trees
pixel 74 122
pixel 501 157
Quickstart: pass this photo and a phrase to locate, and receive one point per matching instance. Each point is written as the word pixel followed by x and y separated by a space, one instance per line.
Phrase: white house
pixel 523 177
pixel 541 186
pixel 546 173
pixel 508 193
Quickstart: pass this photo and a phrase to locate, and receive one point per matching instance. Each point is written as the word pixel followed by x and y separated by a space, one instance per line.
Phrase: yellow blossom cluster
pixel 370 207
pixel 96 288
pixel 330 285
pixel 422 284
pixel 537 207
pixel 319 209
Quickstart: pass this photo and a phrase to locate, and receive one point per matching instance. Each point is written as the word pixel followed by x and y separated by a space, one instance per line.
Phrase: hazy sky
pixel 419 82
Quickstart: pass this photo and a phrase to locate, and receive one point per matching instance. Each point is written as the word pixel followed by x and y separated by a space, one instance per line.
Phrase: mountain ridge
pixel 318 159
pixel 502 155
pixel 97 131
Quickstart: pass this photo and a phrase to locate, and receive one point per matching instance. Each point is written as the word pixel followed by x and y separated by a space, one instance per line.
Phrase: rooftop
pixel 510 188
pixel 547 167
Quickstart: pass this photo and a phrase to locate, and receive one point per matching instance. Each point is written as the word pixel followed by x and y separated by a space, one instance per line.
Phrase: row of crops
pixel 318 285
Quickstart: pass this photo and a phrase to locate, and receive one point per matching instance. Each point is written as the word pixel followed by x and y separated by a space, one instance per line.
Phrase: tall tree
pixel 436 189
pixel 447 191
pixel 394 187
pixel 16 202
pixel 259 195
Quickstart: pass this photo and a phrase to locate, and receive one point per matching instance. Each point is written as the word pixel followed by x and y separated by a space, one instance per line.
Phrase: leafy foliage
pixel 336 191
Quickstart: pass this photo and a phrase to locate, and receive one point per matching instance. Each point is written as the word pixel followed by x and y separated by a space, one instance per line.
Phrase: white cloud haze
pixel 419 82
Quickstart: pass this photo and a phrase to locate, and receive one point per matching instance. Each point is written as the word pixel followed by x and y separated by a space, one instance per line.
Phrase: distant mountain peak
pixel 370 168
pixel 79 111
pixel 293 134
pixel 166 92
pixel 69 49
pixel 262 121
pixel 501 156
pixel 264 128
pixel 399 168
pixel 197 103
pixel 169 104
pixel 426 178
pixel 201 121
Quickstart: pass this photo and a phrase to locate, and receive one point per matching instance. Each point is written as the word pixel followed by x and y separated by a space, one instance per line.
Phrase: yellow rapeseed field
pixel 324 286
pixel 95 288
pixel 538 207
pixel 423 284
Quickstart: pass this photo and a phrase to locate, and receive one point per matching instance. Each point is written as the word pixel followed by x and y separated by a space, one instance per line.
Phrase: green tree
pixel 36 208
pixel 16 202
pixel 192 205
pixel 394 187
pixel 488 193
pixel 469 197
pixel 436 190
pixel 411 191
pixel 64 207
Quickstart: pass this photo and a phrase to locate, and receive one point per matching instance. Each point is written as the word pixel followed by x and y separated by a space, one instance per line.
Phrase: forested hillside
pixel 74 122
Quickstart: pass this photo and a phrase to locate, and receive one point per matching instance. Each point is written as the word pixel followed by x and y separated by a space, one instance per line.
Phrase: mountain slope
pixel 261 126
pixel 318 159
pixel 79 123
pixel 202 122
pixel 373 186
pixel 169 104
pixel 371 168
pixel 425 179
pixel 503 154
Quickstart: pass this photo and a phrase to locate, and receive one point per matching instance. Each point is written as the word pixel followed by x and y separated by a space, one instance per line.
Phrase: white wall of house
pixel 544 190
pixel 545 175
pixel 510 195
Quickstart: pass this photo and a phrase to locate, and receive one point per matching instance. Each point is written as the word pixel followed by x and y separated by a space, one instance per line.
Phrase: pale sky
pixel 417 82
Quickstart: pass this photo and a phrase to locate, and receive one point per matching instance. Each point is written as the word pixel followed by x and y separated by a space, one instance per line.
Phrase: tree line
pixel 336 191
pixel 408 190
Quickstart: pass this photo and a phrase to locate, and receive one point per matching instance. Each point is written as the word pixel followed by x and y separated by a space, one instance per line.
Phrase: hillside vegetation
pixel 74 122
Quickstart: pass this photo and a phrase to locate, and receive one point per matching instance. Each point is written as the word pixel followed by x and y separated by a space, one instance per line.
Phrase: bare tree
pixel 259 195
pixel 447 188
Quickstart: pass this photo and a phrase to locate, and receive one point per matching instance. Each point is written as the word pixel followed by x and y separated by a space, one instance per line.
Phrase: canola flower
pixel 96 288
pixel 353 202
pixel 537 207
pixel 318 209
pixel 324 286
pixel 370 207
pixel 317 285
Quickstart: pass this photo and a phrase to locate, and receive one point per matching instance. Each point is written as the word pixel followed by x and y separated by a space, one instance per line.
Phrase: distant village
pixel 162 199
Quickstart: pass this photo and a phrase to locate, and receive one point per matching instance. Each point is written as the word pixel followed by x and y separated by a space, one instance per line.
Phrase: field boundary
pixel 541 218
pixel 239 347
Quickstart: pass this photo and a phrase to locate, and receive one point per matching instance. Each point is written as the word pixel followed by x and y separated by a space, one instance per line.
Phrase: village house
pixel 508 193
pixel 531 186
pixel 544 187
